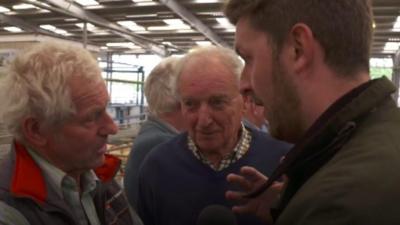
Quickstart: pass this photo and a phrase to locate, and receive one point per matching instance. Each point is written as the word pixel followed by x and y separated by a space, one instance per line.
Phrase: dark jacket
pixel 152 133
pixel 346 170
pixel 23 187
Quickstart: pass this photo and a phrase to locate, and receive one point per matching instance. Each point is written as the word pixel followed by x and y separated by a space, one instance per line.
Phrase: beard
pixel 283 112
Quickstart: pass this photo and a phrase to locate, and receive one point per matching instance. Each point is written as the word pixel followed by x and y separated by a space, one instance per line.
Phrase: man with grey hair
pixel 181 177
pixel 163 122
pixel 54 104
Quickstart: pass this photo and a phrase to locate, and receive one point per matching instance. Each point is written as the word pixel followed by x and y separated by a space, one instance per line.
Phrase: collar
pixel 32 184
pixel 59 180
pixel 168 127
pixel 241 148
pixel 331 125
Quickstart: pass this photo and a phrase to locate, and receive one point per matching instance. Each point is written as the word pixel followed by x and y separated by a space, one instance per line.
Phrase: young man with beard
pixel 54 103
pixel 309 63
pixel 183 176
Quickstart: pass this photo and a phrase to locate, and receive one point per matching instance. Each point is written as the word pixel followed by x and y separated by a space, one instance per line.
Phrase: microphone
pixel 216 215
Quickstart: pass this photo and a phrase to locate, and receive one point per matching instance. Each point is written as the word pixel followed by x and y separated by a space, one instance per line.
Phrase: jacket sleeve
pixel 11 216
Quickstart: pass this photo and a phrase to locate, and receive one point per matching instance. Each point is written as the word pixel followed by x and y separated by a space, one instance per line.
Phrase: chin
pixel 98 162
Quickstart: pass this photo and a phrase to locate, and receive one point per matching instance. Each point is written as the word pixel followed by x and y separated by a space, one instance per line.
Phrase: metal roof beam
pixel 194 21
pixel 14 21
pixel 78 12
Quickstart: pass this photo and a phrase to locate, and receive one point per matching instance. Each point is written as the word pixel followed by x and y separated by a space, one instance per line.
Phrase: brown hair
pixel 342 27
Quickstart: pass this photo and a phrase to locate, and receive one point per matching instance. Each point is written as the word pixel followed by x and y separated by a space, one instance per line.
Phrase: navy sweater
pixel 174 186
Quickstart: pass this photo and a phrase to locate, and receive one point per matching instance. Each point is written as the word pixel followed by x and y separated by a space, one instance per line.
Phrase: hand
pixel 249 180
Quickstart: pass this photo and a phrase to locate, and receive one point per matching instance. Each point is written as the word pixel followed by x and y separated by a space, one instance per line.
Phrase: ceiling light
pixel 54 29
pixel 394 39
pixel 43 11
pixel 131 25
pixel 87 2
pixel 211 13
pixel 144 2
pixel 122 45
pixel 174 22
pixel 48 27
pixel 140 15
pixel 60 31
pixel 4 9
pixel 11 13
pixel 203 43
pixel 153 28
pixel 102 32
pixel 13 29
pixel 24 6
pixel 142 32
pixel 70 19
pixel 162 28
pixel 396 25
pixel 225 22
pixel 392 46
pixel 89 26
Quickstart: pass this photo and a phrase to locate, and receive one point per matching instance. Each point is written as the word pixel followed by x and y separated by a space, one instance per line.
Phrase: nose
pixel 245 84
pixel 108 126
pixel 204 116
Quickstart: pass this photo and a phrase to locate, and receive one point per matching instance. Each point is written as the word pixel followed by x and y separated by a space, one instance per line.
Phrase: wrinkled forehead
pixel 207 79
pixel 208 70
pixel 81 87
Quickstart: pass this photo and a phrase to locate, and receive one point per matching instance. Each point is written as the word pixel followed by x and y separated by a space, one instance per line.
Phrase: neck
pixel 77 177
pixel 174 119
pixel 329 89
pixel 215 156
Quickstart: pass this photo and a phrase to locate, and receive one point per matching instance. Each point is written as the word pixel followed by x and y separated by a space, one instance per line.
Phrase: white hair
pixel 159 87
pixel 36 84
pixel 225 55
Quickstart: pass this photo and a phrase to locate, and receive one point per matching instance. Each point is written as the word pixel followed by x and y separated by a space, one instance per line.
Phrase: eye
pixel 94 116
pixel 190 104
pixel 218 102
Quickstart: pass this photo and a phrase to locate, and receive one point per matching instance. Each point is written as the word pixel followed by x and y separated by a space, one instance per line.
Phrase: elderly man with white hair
pixel 54 104
pixel 181 177
pixel 163 122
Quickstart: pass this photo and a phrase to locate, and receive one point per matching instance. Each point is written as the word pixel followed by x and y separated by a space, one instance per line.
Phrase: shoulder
pixel 166 151
pixel 146 140
pixel 264 140
pixel 11 216
pixel 150 132
pixel 352 188
pixel 156 126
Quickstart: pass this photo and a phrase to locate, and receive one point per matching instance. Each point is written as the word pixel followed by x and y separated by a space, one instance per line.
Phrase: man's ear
pixel 303 46
pixel 33 132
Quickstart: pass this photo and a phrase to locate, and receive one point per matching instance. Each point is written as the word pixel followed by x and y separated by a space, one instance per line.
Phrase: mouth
pixel 102 150
pixel 207 133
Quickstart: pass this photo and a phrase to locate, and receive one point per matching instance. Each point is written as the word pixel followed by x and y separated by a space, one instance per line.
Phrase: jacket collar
pixel 333 123
pixel 28 181
pixel 24 183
